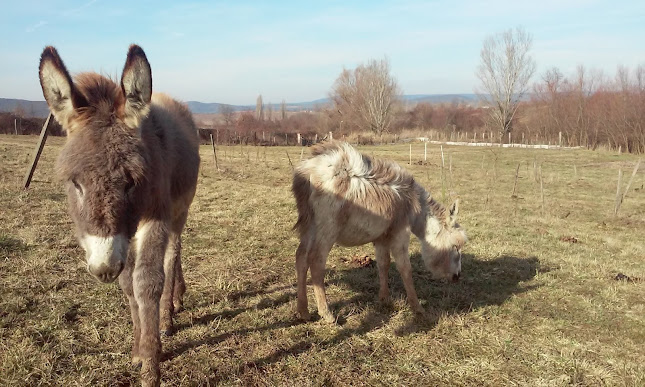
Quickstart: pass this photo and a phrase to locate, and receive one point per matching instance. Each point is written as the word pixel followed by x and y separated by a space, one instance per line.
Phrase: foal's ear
pixel 136 83
pixel 453 212
pixel 58 89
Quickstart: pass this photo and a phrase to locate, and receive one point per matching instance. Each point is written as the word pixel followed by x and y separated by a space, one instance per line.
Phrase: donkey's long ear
pixel 58 88
pixel 136 82
pixel 453 212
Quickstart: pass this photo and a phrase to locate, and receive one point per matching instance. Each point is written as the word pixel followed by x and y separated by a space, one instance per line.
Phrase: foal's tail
pixel 301 188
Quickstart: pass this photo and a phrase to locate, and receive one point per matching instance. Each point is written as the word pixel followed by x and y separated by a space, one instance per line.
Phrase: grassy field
pixel 539 302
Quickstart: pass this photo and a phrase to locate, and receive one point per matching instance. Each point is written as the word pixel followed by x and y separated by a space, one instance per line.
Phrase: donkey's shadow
pixel 484 283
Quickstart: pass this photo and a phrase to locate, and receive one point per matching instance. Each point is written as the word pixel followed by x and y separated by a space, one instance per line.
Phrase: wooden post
pixel 289 158
pixel 629 184
pixel 331 136
pixel 560 138
pixel 617 203
pixel 542 189
pixel 517 172
pixel 316 139
pixel 509 137
pixel 299 139
pixel 425 151
pixel 39 150
pixel 443 166
pixel 450 169
pixel 15 125
pixel 410 154
pixel 214 153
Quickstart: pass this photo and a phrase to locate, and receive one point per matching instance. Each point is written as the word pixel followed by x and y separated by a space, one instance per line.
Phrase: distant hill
pixel 40 108
pixel 441 98
pixel 29 108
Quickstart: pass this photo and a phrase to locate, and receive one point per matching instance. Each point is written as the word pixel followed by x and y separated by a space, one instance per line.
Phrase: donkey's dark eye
pixel 77 186
pixel 129 187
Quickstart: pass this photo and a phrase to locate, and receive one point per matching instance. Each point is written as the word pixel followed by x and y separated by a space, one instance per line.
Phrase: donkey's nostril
pixel 103 272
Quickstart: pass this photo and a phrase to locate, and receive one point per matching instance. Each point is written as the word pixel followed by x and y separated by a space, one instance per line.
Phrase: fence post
pixel 214 153
pixel 425 151
pixel 39 150
pixel 331 136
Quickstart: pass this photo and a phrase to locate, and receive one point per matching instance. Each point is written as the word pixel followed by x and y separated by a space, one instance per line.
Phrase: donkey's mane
pixel 104 98
pixel 436 209
pixel 367 173
pixel 379 172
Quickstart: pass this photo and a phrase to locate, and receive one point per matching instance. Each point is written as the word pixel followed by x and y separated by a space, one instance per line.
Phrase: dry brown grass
pixel 533 308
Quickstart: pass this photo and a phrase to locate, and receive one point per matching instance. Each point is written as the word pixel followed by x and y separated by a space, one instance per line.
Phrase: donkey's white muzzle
pixel 105 255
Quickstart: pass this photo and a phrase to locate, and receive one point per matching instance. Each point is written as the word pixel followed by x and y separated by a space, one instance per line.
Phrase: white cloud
pixel 36 26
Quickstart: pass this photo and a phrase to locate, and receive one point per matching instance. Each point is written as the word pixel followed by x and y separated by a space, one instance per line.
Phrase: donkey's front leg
pixel 148 280
pixel 125 281
pixel 399 248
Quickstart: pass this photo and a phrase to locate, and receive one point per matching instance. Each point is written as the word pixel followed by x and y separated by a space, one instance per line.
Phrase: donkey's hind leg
pixel 166 306
pixel 174 286
pixel 302 266
pixel 383 262
pixel 180 284
pixel 317 261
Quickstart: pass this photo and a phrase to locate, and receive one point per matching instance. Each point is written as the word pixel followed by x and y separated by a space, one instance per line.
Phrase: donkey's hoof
pixel 166 332
pixel 136 363
pixel 303 315
pixel 420 312
pixel 385 301
pixel 329 318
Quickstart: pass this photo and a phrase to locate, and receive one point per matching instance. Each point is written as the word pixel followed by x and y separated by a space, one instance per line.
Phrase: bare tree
pixel 259 109
pixel 366 96
pixel 228 114
pixel 505 70
pixel 283 110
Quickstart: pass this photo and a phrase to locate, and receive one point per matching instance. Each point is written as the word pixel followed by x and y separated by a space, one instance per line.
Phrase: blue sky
pixel 230 52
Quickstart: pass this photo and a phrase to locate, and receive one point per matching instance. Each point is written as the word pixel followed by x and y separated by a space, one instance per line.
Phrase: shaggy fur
pixel 130 167
pixel 345 197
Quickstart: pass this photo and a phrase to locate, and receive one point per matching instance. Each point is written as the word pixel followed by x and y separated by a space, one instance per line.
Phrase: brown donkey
pixel 351 199
pixel 130 167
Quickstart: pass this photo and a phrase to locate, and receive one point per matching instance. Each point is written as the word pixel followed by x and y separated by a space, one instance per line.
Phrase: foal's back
pixel 170 131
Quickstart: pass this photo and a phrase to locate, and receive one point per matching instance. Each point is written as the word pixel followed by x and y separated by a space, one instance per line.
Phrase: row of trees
pixel 585 108
pixel 590 109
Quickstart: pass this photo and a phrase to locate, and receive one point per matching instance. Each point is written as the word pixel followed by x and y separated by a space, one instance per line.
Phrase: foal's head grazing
pixel 443 240
pixel 103 163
